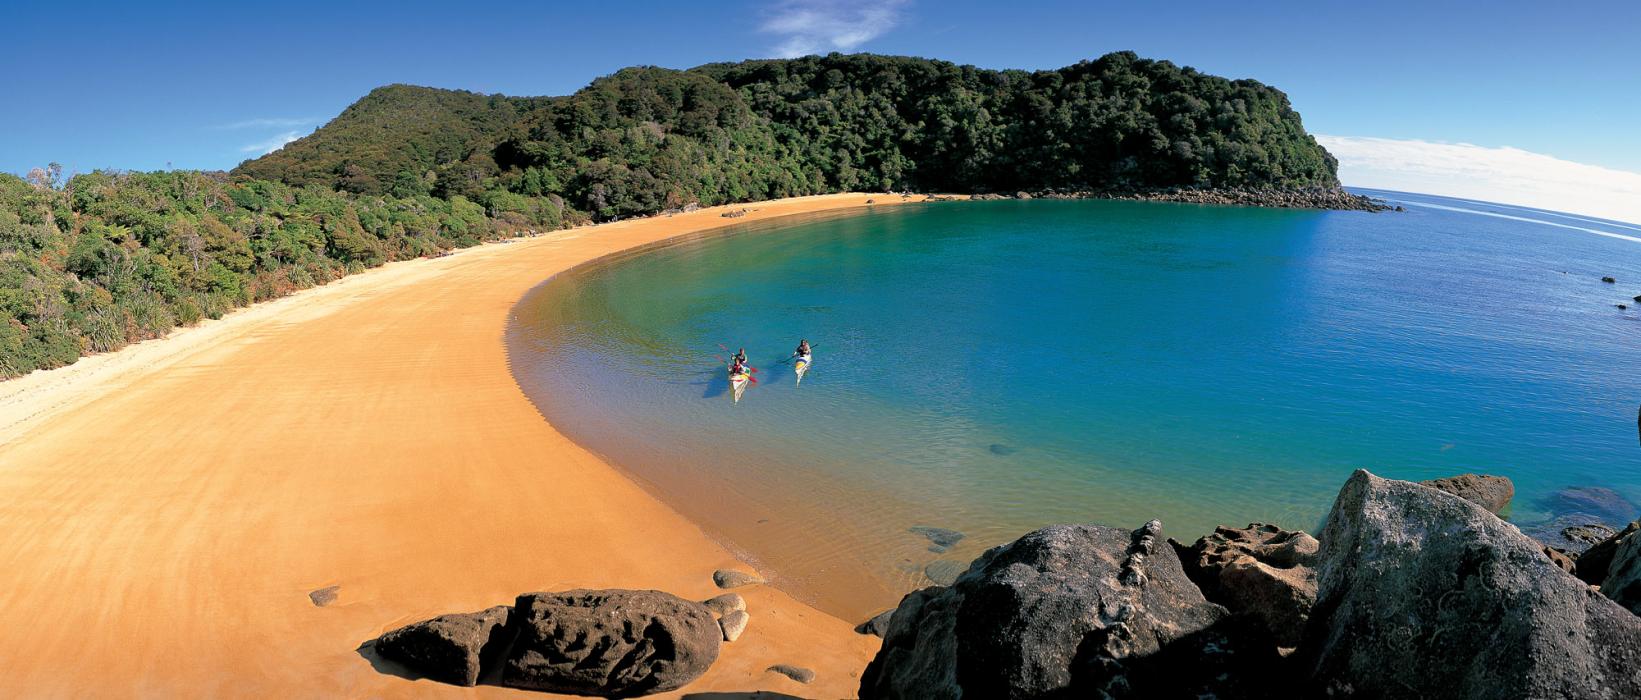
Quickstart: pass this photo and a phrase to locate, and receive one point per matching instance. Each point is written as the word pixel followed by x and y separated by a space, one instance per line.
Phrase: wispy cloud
pixel 815 26
pixel 1506 175
pixel 270 123
pixel 271 144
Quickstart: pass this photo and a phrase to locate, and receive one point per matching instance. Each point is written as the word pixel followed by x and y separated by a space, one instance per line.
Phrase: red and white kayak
pixel 737 383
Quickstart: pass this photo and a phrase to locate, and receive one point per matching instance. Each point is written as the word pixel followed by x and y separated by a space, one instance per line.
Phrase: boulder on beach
pixel 725 604
pixel 612 643
pixel 1260 570
pixel 797 673
pixel 1423 595
pixel 731 578
pixel 1066 611
pixel 450 648
pixel 878 625
pixel 1622 582
pixel 1490 492
pixel 733 624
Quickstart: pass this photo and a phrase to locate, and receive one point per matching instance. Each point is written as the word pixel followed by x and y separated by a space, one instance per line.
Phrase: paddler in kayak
pixel 803 348
pixel 740 357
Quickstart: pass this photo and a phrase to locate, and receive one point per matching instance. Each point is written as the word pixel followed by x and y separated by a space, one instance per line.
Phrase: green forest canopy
pixel 105 259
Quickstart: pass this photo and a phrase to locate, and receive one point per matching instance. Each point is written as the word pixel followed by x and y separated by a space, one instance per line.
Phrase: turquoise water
pixel 992 367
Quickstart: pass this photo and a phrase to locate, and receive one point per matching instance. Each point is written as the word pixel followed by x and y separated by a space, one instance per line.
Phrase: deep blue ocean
pixel 991 367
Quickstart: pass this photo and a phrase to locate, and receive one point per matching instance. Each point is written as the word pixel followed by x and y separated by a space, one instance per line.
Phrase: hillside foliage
pixel 104 259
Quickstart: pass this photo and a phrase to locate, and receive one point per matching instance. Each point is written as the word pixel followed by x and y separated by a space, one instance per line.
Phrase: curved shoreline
pixel 174 503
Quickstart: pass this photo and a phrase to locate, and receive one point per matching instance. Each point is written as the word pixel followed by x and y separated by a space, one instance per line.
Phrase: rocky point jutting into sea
pixel 1409 590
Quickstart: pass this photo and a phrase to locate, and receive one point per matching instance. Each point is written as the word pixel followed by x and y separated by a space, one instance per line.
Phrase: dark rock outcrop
pixel 1623 580
pixel 450 648
pixel 1608 280
pixel 1421 594
pixel 1066 611
pixel 612 643
pixel 1563 560
pixel 1595 561
pixel 1260 570
pixel 1490 492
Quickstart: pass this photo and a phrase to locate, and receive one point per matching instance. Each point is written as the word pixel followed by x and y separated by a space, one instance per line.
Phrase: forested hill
pixel 646 139
pixel 95 261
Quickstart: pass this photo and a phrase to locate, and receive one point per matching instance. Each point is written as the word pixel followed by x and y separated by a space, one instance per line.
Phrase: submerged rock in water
pixel 1573 533
pixel 940 539
pixel 1608 280
pixel 1260 570
pixel 1066 611
pixel 451 648
pixel 1490 492
pixel 944 571
pixel 1603 504
pixel 611 643
pixel 1423 595
pixel 1001 449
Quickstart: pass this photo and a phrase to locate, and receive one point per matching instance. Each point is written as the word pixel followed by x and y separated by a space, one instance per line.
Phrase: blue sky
pixel 204 85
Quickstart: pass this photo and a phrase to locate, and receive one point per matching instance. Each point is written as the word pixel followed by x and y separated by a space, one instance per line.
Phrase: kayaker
pixel 737 366
pixel 740 356
pixel 803 348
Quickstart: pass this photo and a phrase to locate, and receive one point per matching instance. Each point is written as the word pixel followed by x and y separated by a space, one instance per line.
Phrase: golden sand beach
pixel 165 510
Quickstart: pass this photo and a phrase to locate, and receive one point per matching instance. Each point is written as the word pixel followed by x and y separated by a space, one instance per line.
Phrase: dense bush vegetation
pixel 105 259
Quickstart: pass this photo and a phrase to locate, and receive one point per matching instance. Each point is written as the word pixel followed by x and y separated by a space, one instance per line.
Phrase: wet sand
pixel 167 508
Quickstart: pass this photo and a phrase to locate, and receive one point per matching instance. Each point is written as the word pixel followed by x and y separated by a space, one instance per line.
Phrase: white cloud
pixel 1505 175
pixel 272 144
pixel 817 26
pixel 270 123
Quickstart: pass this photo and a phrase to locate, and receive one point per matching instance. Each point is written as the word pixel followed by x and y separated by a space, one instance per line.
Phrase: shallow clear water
pixel 992 367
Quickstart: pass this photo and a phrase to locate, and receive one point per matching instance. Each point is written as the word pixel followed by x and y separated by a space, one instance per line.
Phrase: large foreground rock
pixel 611 643
pixel 450 648
pixel 1422 594
pixel 1260 570
pixel 1066 611
pixel 1490 492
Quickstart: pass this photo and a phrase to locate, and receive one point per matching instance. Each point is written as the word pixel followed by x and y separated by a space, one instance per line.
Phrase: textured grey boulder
pixel 1424 594
pixel 1066 611
pixel 450 648
pixel 611 643
pixel 1490 492
pixel 1259 570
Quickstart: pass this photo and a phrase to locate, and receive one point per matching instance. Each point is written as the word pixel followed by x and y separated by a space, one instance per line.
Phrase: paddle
pixel 795 356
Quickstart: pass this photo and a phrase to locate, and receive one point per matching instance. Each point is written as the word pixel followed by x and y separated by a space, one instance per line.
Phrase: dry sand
pixel 165 510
